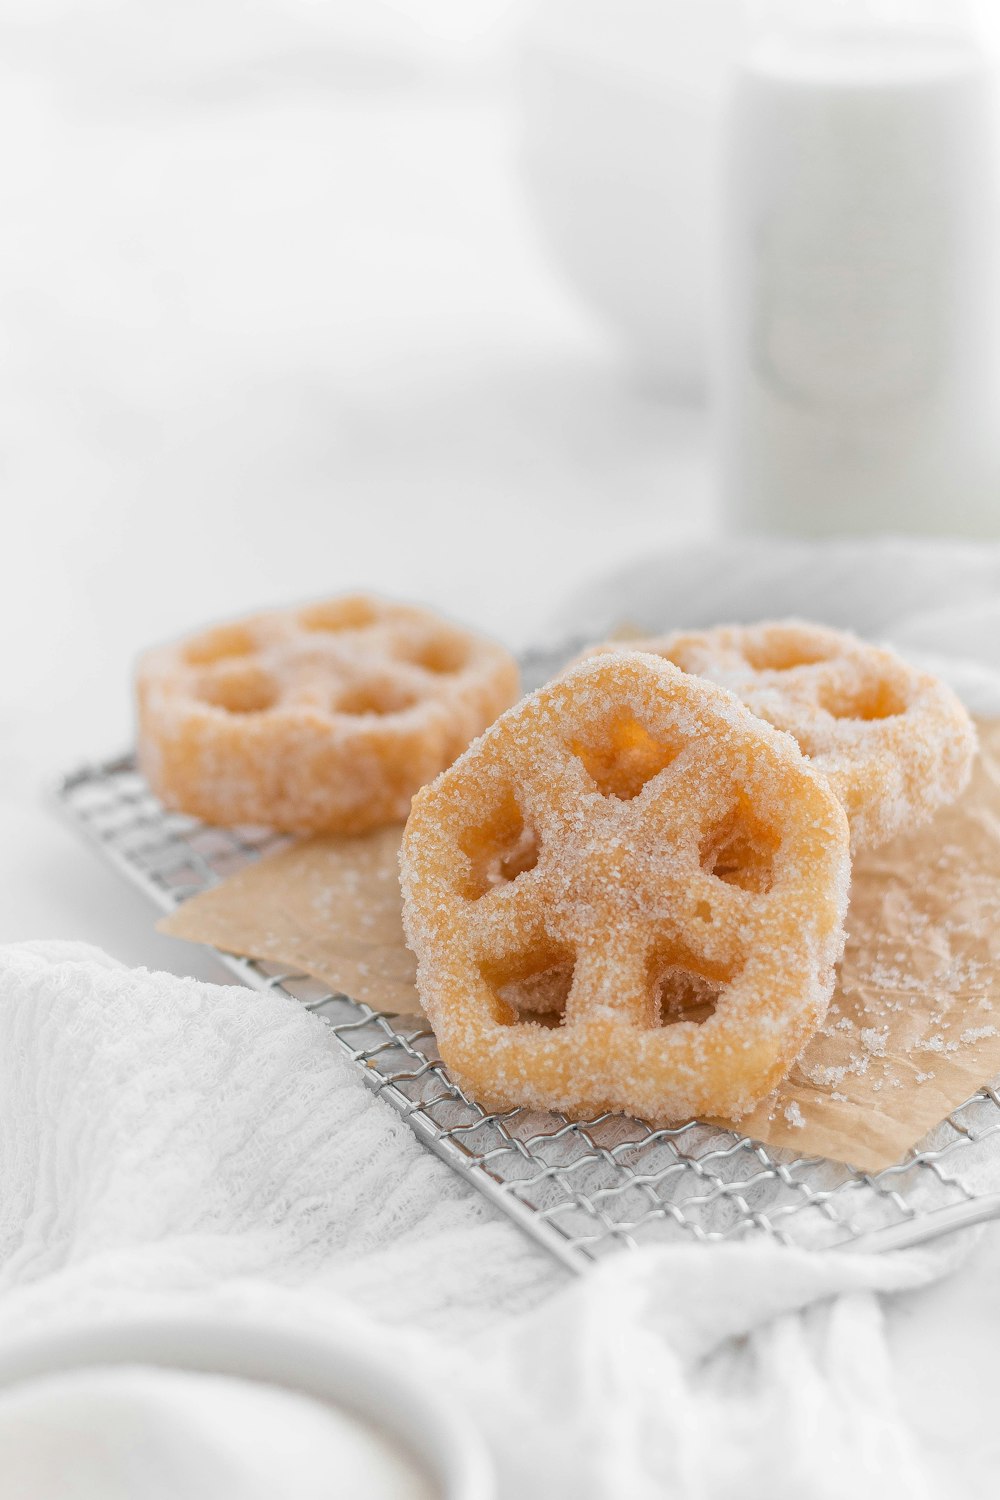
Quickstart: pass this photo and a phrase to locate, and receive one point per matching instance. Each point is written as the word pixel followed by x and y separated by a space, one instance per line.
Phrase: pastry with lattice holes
pixel 320 719
pixel 628 895
pixel 895 743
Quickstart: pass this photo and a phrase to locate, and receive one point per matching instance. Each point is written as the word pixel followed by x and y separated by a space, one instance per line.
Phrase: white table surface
pixel 248 359
pixel 276 346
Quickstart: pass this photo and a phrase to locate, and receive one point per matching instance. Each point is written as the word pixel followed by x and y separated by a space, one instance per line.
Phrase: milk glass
pixel 859 280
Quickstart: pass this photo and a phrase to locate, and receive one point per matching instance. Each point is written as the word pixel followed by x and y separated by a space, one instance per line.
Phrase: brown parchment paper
pixel 913 1028
pixel 329 907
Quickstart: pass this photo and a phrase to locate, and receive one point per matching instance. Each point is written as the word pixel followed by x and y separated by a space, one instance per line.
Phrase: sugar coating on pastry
pixel 895 743
pixel 627 895
pixel 323 718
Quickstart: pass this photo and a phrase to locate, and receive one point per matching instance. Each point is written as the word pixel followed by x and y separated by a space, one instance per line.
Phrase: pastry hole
pixel 626 760
pixel 378 698
pixel 219 644
pixel 532 987
pixel 741 853
pixel 684 996
pixel 780 651
pixel 338 614
pixel 499 850
pixel 540 996
pixel 247 691
pixel 440 654
pixel 868 702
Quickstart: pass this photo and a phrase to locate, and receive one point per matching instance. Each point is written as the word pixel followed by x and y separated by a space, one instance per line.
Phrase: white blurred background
pixel 274 321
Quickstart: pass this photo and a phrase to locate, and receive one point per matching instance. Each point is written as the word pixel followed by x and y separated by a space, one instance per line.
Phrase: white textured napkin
pixel 166 1143
pixel 929 593
pixel 159 1134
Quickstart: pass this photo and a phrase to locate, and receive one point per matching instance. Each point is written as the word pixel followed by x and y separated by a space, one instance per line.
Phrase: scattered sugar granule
pixel 922 1077
pixel 933 1043
pixel 840 1098
pixel 874 1041
pixel 976 1033
pixel 824 1077
pixel 844 1024
pixel 794 1115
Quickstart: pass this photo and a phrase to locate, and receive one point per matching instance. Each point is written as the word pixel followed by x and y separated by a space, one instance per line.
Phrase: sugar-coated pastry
pixel 324 718
pixel 895 743
pixel 627 895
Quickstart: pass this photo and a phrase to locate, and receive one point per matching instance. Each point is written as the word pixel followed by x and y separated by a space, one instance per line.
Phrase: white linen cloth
pixel 165 1143
pixel 928 595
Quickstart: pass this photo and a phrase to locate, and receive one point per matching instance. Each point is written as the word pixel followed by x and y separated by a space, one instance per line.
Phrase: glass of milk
pixel 859 294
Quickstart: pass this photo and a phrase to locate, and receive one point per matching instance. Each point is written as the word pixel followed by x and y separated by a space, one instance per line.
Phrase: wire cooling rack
pixel 582 1189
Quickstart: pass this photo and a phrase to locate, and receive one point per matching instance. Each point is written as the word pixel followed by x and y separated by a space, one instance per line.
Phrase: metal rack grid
pixel 582 1189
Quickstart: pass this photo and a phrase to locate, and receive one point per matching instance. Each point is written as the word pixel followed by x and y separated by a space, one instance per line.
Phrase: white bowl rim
pixel 337 1368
